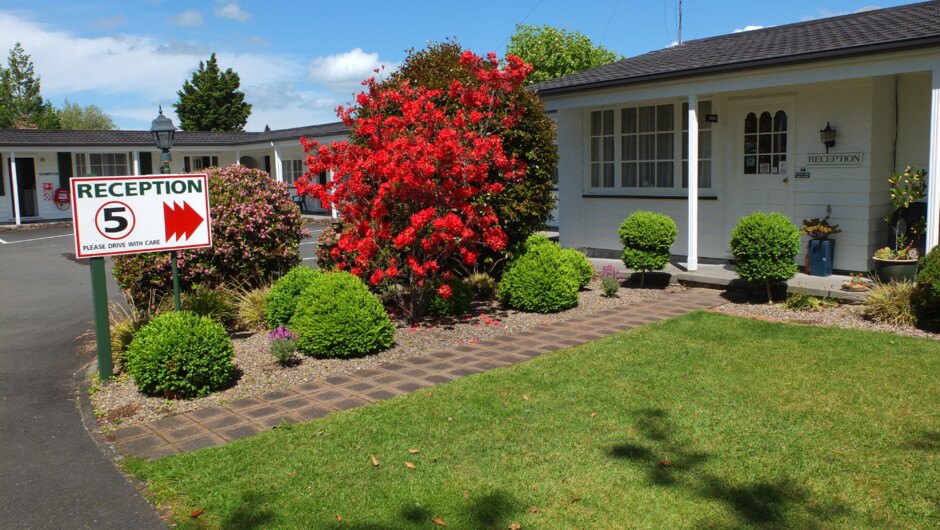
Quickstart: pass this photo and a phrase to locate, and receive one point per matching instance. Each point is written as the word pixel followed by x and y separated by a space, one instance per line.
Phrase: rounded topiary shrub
pixel 926 295
pixel 541 280
pixel 180 355
pixel 457 303
pixel 583 270
pixel 765 246
pixel 646 238
pixel 282 300
pixel 256 233
pixel 337 316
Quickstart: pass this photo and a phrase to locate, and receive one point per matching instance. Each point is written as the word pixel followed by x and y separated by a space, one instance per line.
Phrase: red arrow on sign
pixel 180 221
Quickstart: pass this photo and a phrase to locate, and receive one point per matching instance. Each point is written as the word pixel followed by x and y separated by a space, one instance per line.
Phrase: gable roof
pixel 882 30
pixel 51 137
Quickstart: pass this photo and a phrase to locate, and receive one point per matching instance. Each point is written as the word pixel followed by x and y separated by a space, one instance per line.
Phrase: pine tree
pixel 211 101
pixel 21 104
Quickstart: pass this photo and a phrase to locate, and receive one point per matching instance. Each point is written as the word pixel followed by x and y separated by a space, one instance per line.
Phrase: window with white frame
pixel 292 170
pixel 102 164
pixel 633 149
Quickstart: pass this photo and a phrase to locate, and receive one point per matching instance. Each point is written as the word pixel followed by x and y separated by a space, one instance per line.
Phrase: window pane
pixel 685 174
pixel 664 118
pixel 685 116
pixel 628 147
pixel 664 146
pixel 647 119
pixel 628 120
pixel 763 164
pixel 647 174
pixel 629 175
pixel 750 124
pixel 750 143
pixel 665 175
pixel 647 147
pixel 608 149
pixel 608 122
pixel 685 145
pixel 780 121
pixel 608 175
pixel 704 107
pixel 705 144
pixel 764 143
pixel 595 175
pixel 705 174
pixel 595 149
pixel 781 146
pixel 596 123
pixel 750 164
pixel 766 122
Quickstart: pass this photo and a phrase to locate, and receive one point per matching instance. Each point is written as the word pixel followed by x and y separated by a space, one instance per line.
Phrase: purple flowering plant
pixel 610 280
pixel 283 344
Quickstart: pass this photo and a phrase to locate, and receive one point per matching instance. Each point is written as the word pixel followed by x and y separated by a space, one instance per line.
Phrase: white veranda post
pixel 933 168
pixel 692 264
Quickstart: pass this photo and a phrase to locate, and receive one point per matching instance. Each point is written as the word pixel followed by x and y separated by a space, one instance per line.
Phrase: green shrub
pixel 890 303
pixel 765 246
pixel 282 300
pixel 256 233
pixel 458 303
pixel 541 280
pixel 647 238
pixel 583 270
pixel 926 295
pixel 337 316
pixel 180 355
pixel 216 303
pixel 483 285
pixel 124 324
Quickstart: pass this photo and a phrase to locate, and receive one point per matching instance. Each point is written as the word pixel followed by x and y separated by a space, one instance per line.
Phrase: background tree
pixel 554 52
pixel 525 204
pixel 21 104
pixel 74 117
pixel 211 101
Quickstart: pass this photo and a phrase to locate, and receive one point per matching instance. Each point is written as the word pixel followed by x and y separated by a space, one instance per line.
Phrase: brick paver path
pixel 245 417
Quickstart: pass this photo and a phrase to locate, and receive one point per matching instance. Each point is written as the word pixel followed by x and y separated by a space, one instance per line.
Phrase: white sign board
pixel 127 215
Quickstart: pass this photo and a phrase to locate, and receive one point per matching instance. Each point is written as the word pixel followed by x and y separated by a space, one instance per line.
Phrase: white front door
pixel 762 165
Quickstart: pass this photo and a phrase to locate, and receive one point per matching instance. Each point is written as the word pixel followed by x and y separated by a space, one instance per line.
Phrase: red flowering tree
pixel 408 186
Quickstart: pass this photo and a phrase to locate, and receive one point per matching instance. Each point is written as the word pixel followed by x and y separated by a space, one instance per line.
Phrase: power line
pixel 537 4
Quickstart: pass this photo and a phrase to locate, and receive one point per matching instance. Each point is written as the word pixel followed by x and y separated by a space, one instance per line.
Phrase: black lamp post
pixel 162 130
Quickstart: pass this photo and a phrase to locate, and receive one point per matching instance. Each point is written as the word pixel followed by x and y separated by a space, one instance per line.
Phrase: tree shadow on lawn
pixel 671 463
pixel 925 441
pixel 494 510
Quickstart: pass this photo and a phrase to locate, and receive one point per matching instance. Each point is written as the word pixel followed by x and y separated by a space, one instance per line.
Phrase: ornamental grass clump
pixel 283 344
pixel 926 295
pixel 765 246
pixel 180 355
pixel 337 316
pixel 890 303
pixel 647 238
pixel 541 280
pixel 282 300
pixel 256 233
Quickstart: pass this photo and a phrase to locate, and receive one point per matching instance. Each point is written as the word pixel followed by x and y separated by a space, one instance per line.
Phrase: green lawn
pixel 701 421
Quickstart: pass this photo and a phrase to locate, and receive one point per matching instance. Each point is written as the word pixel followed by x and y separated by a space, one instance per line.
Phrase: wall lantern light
pixel 828 136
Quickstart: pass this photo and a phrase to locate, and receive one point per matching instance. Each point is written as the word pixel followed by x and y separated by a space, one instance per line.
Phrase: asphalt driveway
pixel 52 473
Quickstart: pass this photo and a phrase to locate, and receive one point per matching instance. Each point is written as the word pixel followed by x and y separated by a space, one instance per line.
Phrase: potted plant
pixel 900 263
pixel 820 249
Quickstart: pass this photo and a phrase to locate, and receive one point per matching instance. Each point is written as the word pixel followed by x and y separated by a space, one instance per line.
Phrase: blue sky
pixel 299 60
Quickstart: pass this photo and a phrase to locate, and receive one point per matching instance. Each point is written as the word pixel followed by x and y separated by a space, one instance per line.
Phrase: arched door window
pixel 765 143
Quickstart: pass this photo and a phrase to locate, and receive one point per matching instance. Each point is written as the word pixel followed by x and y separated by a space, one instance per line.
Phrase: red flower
pixel 444 291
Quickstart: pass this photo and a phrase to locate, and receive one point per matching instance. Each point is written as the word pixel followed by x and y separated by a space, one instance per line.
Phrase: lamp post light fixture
pixel 828 136
pixel 162 129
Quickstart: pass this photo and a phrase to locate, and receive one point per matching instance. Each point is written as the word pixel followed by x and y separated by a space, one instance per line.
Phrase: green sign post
pixel 99 299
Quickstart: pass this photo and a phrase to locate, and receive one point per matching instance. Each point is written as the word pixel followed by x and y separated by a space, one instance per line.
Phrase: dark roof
pixel 49 137
pixel 881 30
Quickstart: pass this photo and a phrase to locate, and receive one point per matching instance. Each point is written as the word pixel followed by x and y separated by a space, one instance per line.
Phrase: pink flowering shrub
pixel 256 230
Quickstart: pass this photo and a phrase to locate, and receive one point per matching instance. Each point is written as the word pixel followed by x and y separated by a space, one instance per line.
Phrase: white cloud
pixel 272 96
pixel 178 47
pixel 749 27
pixel 344 72
pixel 189 18
pixel 109 23
pixel 231 11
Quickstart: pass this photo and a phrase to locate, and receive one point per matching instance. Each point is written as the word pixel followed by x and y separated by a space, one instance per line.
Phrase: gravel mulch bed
pixel 118 403
pixel 844 316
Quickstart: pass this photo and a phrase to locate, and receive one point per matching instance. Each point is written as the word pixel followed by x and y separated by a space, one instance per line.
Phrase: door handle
pixel 786 180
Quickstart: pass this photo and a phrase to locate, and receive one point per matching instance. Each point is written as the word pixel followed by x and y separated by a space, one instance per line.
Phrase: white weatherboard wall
pixel 863 111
